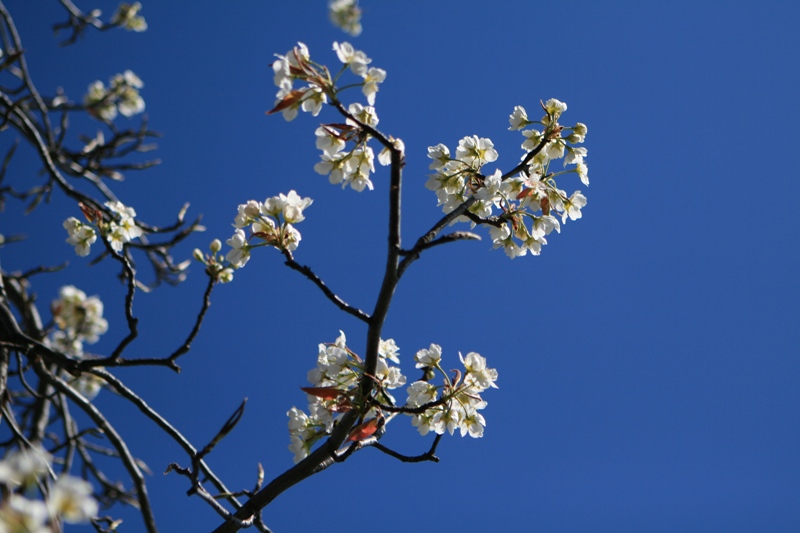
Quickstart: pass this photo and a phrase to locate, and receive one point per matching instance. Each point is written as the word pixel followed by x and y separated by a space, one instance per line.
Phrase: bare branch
pixel 307 272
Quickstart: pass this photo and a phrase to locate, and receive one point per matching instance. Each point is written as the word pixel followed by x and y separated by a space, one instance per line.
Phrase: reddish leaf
pixel 524 193
pixel 364 430
pixel 288 101
pixel 326 393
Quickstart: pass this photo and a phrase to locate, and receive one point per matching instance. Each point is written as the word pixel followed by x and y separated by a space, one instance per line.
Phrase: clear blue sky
pixel 648 359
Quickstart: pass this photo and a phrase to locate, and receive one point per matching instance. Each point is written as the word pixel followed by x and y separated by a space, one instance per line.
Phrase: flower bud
pixel 216 246
pixel 197 254
pixel 226 276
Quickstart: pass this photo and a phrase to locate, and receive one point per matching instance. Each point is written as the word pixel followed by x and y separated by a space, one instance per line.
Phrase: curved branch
pixel 424 241
pixel 114 438
pixel 430 455
pixel 332 296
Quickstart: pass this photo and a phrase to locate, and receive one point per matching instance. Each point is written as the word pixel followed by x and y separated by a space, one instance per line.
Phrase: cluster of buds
pixel 120 229
pixel 122 95
pixel 271 224
pixel 346 14
pixel 450 406
pixel 520 209
pixel 128 17
pixel 215 264
pixel 69 498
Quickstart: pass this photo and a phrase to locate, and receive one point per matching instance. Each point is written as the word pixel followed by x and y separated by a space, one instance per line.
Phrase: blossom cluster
pixel 122 95
pixel 334 380
pixel 346 157
pixel 457 401
pixel 447 407
pixel 128 17
pixel 520 209
pixel 271 222
pixel 69 498
pixel 118 231
pixel 79 319
pixel 346 14
pixel 215 264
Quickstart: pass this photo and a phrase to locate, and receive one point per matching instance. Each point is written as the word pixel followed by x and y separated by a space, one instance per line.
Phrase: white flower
pixel 79 317
pixel 389 349
pixel 333 166
pixel 429 357
pixel 583 172
pixel 240 252
pixel 440 155
pixel 285 89
pixel 328 141
pixel 544 225
pixel 475 151
pixel 21 515
pixel 474 423
pixel 247 214
pixel 88 385
pixel 313 100
pixel 131 79
pixel 24 467
pixel 532 139
pixel 226 275
pixel 98 101
pixel 555 107
pixel 127 16
pixel 572 207
pixel 365 115
pixel 71 498
pixel 578 133
pixel 355 59
pixel 372 78
pixel 385 157
pixel 358 168
pixel 478 375
pixel 555 149
pixel 420 393
pixel 518 119
pixel 346 15
pixel 290 205
pixel 81 235
pixel 574 156
pixel 499 234
pixel 390 377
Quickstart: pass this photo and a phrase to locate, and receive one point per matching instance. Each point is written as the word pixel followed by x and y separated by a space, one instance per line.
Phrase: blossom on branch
pixel 127 16
pixel 79 317
pixel 271 222
pixel 346 15
pixel 69 499
pixel 122 95
pixel 518 209
pixel 81 235
pixel 335 380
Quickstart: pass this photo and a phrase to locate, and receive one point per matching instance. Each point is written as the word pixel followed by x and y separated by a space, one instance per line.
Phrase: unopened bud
pixel 215 246
pixel 198 254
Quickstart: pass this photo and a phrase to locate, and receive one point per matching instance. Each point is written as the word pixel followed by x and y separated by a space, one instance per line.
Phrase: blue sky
pixel 648 359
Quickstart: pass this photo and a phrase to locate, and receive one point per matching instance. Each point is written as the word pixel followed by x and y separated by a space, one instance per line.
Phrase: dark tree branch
pixel 430 455
pixel 114 438
pixel 333 297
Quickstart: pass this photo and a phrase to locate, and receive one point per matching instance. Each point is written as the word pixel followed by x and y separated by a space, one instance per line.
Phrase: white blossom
pixel 346 15
pixel 127 15
pixel 71 499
